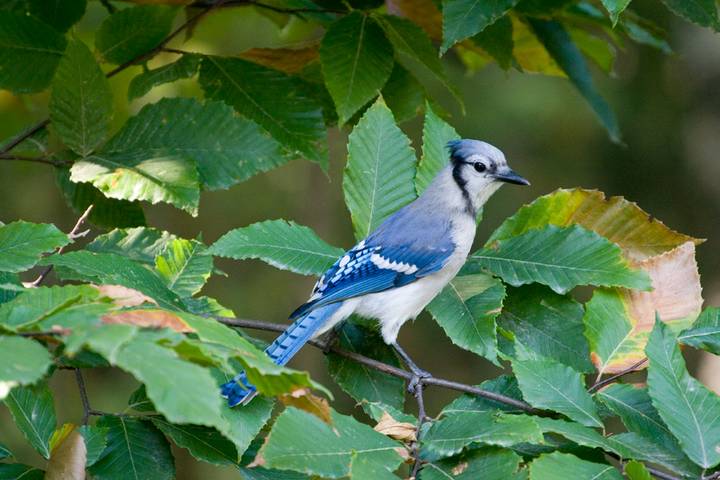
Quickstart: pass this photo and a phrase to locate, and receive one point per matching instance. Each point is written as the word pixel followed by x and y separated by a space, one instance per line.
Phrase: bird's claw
pixel 416 381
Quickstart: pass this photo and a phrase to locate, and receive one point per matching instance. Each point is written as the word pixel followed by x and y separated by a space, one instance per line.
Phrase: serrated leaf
pixel 184 266
pixel 466 310
pixel 30 51
pixel 282 244
pixel 360 382
pixel 141 244
pixel 135 449
pixel 551 466
pixel 689 409
pixel 131 32
pixel 112 269
pixel 552 385
pixel 33 411
pixel 185 67
pixel 585 436
pixel 561 258
pixel 436 135
pixel 618 321
pixel 615 8
pixel 10 286
pixel 560 46
pixel 106 212
pixel 95 438
pixel 705 332
pixel 497 41
pixel 403 94
pixel 530 53
pixel 22 243
pixel 378 178
pixel 22 361
pixel 702 12
pixel 487 463
pixel 59 14
pixel 635 470
pixel 551 325
pixel 504 385
pixel 450 435
pixel 465 18
pixel 203 443
pixel 622 222
pixel 81 101
pixel 281 104
pixel 357 60
pixel 242 425
pixel 333 451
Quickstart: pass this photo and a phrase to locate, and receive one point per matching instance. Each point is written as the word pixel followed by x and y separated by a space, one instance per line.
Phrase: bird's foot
pixel 329 340
pixel 416 381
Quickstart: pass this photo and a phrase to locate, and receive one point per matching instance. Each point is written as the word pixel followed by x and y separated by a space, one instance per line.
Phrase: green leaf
pixel 357 60
pixel 184 266
pixel 141 245
pixel 560 46
pixel 702 12
pixel 705 332
pixel 634 407
pixel 615 8
pixel 81 101
pixel 22 244
pixel 112 269
pixel 618 321
pixel 497 41
pixel 486 463
pixel 95 442
pixel 33 411
pixel 465 18
pixel 203 443
pixel 561 258
pixel 131 32
pixel 4 452
pixel 135 449
pixel 453 433
pixel 436 134
pixel 16 471
pixel 644 32
pixel 551 466
pixel 548 384
pixel 334 450
pixel 379 174
pixel 635 470
pixel 30 52
pixel 282 244
pixel 10 286
pixel 404 94
pixel 622 222
pixel 587 437
pixel 414 50
pixel 59 14
pixel 360 382
pixel 22 361
pixel 689 409
pixel 281 104
pixel 243 424
pixel 106 212
pixel 185 67
pixel 466 309
pixel 504 385
pixel 551 325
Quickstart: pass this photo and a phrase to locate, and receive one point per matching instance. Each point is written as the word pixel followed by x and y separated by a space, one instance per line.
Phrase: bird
pixel 402 265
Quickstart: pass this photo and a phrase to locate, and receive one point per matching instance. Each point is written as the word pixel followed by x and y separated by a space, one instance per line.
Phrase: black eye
pixel 479 167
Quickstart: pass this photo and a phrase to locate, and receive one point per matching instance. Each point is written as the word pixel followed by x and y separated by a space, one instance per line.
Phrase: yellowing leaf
pixel 68 458
pixel 288 60
pixel 403 431
pixel 530 53
pixel 618 321
pixel 148 318
pixel 124 296
pixel 304 399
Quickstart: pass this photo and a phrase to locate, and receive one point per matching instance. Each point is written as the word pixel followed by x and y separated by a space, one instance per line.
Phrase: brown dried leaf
pixel 67 461
pixel 288 60
pixel 149 318
pixel 403 431
pixel 304 399
pixel 124 296
pixel 422 12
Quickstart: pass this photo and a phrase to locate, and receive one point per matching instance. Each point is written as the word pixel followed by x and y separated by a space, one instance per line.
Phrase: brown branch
pixel 24 136
pixel 25 158
pixel 601 383
pixel 253 3
pixel 83 396
pixel 74 234
pixel 417 465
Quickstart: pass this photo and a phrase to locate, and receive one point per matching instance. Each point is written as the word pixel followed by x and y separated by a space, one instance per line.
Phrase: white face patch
pixel 401 267
pixel 344 261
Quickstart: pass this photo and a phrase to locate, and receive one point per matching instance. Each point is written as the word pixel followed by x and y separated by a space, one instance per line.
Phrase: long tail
pixel 239 390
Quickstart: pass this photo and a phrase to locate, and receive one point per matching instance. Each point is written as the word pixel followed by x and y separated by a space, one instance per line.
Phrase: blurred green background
pixel 669 112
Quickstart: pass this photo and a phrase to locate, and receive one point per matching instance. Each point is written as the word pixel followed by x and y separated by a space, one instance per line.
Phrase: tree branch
pixel 601 383
pixel 83 396
pixel 25 158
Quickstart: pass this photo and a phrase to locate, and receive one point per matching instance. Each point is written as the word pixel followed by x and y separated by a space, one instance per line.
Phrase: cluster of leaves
pixel 130 298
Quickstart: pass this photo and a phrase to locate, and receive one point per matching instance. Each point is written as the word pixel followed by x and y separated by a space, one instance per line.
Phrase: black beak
pixel 510 176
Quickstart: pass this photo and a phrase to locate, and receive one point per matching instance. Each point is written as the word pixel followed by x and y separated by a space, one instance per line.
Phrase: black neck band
pixel 461 183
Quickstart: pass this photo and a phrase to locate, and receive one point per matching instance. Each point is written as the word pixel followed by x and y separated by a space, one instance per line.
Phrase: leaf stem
pixel 83 396
pixel 601 383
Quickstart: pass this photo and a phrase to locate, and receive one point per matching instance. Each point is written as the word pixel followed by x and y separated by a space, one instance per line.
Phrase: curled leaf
pixel 304 399
pixel 124 296
pixel 67 461
pixel 148 318
pixel 403 431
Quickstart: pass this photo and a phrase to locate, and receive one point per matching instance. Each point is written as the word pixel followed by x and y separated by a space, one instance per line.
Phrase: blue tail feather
pixel 239 390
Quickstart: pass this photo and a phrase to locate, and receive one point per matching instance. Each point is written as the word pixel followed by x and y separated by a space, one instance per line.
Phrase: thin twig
pixel 601 383
pixel 46 333
pixel 108 6
pixel 74 234
pixel 25 158
pixel 83 396
pixel 289 11
pixel 384 367
pixel 417 465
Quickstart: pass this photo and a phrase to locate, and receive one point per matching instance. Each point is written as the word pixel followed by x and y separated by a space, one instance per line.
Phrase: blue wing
pixel 370 267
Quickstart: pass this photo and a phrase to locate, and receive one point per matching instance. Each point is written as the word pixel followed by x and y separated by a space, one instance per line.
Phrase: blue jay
pixel 401 266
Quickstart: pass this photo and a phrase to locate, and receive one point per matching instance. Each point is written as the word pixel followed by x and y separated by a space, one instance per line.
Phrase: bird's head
pixel 480 169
